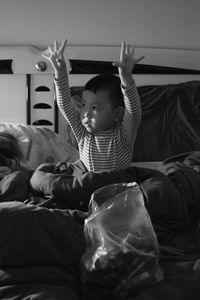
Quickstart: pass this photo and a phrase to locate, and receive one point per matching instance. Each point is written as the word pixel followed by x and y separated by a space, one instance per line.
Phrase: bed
pixel 43 212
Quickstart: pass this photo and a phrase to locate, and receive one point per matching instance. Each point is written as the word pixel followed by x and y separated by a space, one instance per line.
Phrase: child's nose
pixel 87 113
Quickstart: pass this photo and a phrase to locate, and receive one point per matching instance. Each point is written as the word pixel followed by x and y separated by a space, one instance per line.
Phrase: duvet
pixel 42 217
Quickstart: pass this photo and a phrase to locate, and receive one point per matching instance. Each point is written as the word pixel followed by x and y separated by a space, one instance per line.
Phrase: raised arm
pixel 63 96
pixel 132 115
pixel 126 64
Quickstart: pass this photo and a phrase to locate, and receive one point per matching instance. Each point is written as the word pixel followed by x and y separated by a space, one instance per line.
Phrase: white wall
pixel 154 23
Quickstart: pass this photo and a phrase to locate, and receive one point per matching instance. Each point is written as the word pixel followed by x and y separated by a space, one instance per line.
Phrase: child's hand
pixel 126 64
pixel 56 58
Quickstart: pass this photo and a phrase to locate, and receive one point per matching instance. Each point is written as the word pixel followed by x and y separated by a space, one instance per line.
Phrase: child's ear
pixel 118 114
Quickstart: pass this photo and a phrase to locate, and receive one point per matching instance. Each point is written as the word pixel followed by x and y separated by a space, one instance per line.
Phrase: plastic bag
pixel 122 251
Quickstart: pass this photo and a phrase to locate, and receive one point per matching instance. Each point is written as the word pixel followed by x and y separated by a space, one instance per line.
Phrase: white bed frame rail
pixel 26 57
pixel 37 97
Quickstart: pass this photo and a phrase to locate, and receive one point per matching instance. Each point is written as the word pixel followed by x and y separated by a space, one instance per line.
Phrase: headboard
pixel 27 92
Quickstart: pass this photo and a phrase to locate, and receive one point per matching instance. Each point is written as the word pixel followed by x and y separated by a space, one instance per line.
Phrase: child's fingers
pixel 63 45
pixel 117 64
pixel 56 46
pixel 123 51
pixel 131 50
pixel 127 49
pixel 51 59
pixel 139 58
pixel 45 55
pixel 62 49
pixel 50 51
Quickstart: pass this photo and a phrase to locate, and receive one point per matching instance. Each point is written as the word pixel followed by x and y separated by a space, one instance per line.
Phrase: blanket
pixel 169 198
pixel 42 237
pixel 40 250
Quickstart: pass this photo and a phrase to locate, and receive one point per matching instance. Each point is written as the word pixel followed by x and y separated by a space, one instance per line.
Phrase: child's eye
pixel 95 108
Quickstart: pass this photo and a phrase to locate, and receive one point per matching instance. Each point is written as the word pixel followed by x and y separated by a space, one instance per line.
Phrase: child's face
pixel 97 112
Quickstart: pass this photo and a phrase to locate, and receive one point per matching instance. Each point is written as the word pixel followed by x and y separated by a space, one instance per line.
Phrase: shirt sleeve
pixel 132 114
pixel 67 107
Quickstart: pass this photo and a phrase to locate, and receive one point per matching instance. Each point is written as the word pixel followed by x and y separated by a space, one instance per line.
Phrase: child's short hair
pixel 110 83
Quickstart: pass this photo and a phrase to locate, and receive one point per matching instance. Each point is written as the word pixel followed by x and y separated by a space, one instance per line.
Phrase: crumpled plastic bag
pixel 122 252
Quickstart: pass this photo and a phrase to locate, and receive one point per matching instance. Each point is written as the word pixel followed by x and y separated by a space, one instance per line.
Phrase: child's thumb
pixel 116 64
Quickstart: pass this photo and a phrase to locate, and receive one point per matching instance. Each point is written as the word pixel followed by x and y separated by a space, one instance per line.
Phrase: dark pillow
pixel 170 121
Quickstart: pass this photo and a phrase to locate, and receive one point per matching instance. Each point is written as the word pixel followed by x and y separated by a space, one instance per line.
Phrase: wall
pixel 154 23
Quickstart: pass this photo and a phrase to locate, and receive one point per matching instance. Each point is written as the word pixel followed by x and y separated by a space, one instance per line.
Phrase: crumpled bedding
pixel 36 257
pixel 42 230
pixel 169 197
pixel 40 250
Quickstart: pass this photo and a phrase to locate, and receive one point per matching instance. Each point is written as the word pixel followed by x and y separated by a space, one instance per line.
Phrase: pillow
pixel 170 121
pixel 39 144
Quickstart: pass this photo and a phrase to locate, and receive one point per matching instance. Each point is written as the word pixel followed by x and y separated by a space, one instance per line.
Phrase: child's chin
pixel 90 130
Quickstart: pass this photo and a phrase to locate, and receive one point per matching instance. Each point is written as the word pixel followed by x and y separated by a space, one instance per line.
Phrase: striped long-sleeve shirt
pixel 108 149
